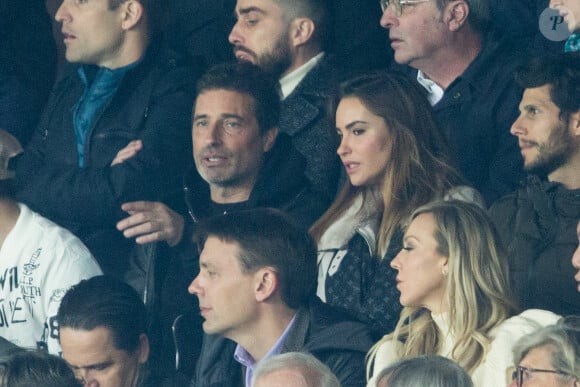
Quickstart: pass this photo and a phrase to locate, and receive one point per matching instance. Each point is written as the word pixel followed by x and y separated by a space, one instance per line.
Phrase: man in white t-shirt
pixel 39 261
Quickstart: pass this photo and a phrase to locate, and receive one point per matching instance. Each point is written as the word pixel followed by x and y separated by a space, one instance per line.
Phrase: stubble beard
pixel 279 59
pixel 554 153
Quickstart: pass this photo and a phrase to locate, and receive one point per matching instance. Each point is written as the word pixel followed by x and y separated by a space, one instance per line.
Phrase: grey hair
pixel 479 14
pixel 316 373
pixel 425 371
pixel 563 338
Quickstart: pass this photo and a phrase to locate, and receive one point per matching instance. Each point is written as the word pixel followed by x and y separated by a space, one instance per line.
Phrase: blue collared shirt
pixel 244 358
pixel 97 94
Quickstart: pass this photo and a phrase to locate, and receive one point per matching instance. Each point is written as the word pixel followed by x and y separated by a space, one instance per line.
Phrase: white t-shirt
pixel 39 261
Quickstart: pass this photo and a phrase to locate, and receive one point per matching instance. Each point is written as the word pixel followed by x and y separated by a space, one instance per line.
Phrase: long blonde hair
pixel 419 168
pixel 478 291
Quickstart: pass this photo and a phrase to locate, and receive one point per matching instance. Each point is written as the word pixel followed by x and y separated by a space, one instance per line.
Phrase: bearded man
pixel 538 222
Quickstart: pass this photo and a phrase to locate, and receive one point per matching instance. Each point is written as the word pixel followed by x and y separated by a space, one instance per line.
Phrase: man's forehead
pixel 539 95
pixel 224 101
pixel 218 253
pixel 244 6
pixel 223 95
pixel 285 377
pixel 98 338
pixel 81 348
pixel 215 247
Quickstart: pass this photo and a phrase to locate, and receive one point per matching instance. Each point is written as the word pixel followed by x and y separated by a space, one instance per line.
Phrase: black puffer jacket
pixel 538 225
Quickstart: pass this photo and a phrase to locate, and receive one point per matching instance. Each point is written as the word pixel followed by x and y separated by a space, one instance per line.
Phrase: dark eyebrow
pixel 223 116
pixel 104 364
pixel 206 265
pixel 537 103
pixel 231 115
pixel 245 11
pixel 350 125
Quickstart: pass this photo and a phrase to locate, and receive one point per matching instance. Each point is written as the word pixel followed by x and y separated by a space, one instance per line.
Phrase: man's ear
pixel 269 139
pixel 132 13
pixel 266 283
pixel 574 123
pixel 455 14
pixel 143 348
pixel 301 31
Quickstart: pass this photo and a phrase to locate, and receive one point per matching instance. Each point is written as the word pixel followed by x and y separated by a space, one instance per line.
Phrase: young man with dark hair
pixel 538 222
pixel 120 91
pixel 255 289
pixel 103 333
pixel 288 39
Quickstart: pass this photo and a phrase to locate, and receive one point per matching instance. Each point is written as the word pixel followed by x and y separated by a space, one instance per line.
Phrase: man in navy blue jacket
pixel 119 89
pixel 467 70
pixel 255 289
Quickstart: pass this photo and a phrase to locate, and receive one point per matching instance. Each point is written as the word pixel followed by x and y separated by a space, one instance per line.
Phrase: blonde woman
pixel 396 160
pixel 454 288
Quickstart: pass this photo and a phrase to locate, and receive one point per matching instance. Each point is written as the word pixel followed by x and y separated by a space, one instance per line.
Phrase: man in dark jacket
pixel 538 221
pixel 255 288
pixel 287 39
pixel 119 89
pixel 241 162
pixel 467 71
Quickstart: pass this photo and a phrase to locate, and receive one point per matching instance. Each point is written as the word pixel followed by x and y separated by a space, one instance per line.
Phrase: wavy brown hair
pixel 420 169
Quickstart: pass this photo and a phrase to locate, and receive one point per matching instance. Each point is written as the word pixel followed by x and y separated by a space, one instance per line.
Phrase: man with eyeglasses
pixel 549 357
pixel 467 69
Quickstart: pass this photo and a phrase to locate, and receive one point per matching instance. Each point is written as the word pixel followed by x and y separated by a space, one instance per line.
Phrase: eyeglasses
pixel 521 373
pixel 399 4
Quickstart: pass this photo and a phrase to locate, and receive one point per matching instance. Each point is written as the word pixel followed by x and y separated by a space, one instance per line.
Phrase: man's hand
pixel 127 152
pixel 151 222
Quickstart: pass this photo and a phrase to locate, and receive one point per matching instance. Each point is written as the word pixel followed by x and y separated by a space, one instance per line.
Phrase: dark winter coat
pixel 538 225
